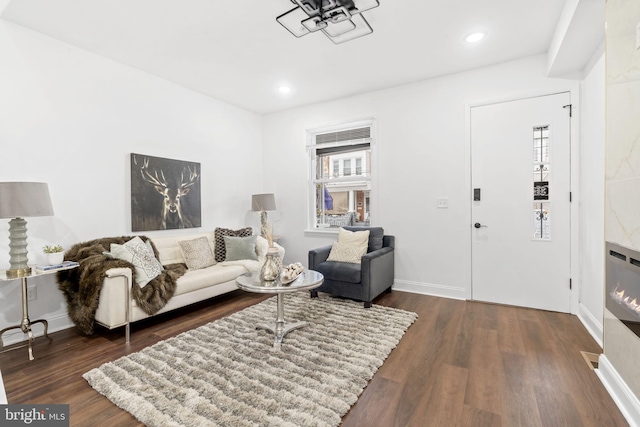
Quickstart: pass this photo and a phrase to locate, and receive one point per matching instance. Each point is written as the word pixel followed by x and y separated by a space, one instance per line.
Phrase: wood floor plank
pixel 486 376
pixel 462 363
pixel 440 407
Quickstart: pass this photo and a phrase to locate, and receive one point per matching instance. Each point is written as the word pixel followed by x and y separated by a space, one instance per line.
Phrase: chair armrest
pixel 316 256
pixel 378 272
pixel 377 254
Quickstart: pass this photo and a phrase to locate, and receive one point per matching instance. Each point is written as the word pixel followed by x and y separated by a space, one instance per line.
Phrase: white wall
pixel 421 127
pixel 591 199
pixel 71 119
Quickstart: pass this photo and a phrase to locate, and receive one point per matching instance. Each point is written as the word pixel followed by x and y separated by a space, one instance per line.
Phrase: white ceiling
pixel 235 51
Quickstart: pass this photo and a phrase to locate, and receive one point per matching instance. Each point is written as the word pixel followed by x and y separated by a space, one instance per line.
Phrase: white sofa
pixel 117 308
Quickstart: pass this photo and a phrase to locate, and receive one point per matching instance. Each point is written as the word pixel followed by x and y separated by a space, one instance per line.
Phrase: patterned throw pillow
pixel 347 253
pixel 220 251
pixel 140 254
pixel 197 253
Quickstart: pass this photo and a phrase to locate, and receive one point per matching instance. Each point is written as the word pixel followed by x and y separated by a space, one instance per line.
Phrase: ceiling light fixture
pixel 474 37
pixel 284 89
pixel 340 20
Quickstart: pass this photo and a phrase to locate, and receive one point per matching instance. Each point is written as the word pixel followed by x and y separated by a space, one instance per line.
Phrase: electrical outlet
pixel 32 293
pixel 443 203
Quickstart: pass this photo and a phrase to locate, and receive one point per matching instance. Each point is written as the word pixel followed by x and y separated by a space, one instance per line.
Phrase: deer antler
pixel 192 178
pixel 152 179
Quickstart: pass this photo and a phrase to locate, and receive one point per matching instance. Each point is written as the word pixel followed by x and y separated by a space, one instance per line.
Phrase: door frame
pixel 574 268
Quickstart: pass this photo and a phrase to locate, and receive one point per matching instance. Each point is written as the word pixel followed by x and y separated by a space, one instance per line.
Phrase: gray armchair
pixel 364 281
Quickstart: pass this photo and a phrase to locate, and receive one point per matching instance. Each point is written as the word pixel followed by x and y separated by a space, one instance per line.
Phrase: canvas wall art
pixel 165 193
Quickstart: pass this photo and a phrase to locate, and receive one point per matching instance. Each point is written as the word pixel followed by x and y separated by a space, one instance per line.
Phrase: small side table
pixel 251 282
pixel 26 323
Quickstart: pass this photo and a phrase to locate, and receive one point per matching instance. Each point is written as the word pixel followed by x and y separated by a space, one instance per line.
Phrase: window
pixel 541 188
pixel 346 168
pixel 340 197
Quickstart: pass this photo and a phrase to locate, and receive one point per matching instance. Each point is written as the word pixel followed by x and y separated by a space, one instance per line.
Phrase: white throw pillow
pixel 347 253
pixel 197 253
pixel 353 238
pixel 140 254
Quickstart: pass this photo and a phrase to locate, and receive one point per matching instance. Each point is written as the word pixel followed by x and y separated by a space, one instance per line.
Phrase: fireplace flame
pixel 625 300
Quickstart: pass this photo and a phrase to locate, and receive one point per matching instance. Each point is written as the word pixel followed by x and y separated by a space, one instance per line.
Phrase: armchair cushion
pixel 341 271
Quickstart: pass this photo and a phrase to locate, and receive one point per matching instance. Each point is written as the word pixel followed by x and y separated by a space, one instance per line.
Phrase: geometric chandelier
pixel 340 20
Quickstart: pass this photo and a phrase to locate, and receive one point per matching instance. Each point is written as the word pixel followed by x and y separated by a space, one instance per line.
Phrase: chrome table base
pixel 280 328
pixel 26 324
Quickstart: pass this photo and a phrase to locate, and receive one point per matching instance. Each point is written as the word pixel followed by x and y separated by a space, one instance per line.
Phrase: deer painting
pixel 173 182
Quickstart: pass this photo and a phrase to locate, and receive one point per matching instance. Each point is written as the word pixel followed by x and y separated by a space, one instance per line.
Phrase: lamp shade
pixel 24 199
pixel 263 202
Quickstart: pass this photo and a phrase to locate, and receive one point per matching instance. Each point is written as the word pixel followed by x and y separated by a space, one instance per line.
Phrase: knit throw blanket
pixel 81 286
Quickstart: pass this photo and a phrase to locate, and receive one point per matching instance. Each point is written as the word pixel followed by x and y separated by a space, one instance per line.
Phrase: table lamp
pixel 18 200
pixel 263 203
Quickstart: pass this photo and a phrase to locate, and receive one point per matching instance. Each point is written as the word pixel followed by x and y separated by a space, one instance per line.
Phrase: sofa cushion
pixel 197 253
pixel 220 250
pixel 238 248
pixel 206 277
pixel 169 251
pixel 376 235
pixel 340 271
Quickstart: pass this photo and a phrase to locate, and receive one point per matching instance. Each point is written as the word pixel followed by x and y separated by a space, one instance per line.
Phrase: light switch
pixel 443 203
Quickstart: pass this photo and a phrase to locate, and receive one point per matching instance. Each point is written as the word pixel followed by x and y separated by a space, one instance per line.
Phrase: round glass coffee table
pixel 307 280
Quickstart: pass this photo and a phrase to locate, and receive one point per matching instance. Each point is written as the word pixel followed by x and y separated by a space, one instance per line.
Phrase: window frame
pixel 312 146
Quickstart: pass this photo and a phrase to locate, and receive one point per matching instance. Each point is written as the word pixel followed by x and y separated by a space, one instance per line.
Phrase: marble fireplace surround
pixel 619 369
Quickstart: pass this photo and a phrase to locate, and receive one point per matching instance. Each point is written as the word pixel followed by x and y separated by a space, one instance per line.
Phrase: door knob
pixel 478 225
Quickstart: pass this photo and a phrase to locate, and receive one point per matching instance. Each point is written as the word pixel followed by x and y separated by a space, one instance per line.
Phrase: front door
pixel 520 171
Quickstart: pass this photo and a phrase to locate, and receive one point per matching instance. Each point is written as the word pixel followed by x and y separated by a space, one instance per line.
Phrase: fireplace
pixel 623 285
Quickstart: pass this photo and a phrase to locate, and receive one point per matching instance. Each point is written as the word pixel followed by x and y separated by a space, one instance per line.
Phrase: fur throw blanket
pixel 81 286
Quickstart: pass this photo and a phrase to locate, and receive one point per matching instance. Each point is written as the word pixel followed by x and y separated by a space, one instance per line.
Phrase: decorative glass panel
pixel 542 221
pixel 541 144
pixel 541 184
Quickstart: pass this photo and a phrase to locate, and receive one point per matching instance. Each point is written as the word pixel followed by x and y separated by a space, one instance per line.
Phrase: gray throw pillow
pixel 240 248
pixel 219 233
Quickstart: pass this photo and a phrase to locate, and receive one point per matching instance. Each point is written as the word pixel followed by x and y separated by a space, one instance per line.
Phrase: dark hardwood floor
pixel 460 364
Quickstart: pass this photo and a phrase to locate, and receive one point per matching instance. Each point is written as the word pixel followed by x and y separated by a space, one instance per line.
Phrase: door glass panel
pixel 542 221
pixel 541 187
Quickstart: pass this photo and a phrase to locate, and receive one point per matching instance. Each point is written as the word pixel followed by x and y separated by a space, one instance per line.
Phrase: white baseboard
pixel 623 396
pixel 57 323
pixel 430 289
pixel 592 324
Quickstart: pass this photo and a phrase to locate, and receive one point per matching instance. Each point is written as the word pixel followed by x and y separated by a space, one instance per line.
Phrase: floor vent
pixel 591 359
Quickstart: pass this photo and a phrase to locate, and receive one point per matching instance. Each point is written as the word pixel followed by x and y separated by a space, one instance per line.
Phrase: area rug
pixel 227 373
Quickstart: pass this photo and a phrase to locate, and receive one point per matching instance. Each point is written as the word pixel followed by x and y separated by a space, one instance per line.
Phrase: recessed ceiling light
pixel 284 89
pixel 474 37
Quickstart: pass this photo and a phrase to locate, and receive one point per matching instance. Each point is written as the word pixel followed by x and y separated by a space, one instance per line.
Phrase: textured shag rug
pixel 227 373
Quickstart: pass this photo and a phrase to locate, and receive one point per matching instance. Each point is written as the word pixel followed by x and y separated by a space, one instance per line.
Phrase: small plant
pixel 52 249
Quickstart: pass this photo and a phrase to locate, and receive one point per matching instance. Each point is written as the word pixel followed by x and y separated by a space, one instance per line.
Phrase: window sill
pixel 321 232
